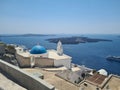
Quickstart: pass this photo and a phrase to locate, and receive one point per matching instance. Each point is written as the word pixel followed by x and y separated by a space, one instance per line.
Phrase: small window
pixel 107 87
pixel 85 84
pixel 97 88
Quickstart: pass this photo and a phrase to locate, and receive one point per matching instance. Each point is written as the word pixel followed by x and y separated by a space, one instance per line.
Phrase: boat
pixel 113 58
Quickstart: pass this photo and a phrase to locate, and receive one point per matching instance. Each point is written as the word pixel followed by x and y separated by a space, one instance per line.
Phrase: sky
pixel 60 16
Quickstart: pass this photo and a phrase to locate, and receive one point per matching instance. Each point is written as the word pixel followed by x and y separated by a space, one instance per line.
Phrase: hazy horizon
pixel 60 17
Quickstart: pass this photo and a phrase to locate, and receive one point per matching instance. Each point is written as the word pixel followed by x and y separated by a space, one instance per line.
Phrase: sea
pixel 92 55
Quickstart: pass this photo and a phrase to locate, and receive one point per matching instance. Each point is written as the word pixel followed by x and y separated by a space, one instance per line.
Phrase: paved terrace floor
pixel 51 78
pixel 7 84
pixel 114 83
pixel 61 84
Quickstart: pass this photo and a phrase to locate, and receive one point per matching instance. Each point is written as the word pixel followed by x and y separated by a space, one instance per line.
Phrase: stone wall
pixel 23 78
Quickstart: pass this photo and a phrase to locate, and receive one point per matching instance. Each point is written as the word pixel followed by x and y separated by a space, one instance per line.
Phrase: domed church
pixel 38 50
pixel 38 56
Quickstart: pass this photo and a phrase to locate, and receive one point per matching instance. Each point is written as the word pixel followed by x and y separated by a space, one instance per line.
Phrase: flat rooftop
pixel 53 54
pixel 7 84
pixel 25 54
pixel 113 83
pixel 61 84
pixel 97 79
pixel 51 78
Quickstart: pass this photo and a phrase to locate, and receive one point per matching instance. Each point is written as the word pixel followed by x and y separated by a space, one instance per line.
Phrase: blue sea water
pixel 91 55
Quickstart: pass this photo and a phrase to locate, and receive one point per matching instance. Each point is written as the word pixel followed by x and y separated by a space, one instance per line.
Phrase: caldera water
pixel 92 55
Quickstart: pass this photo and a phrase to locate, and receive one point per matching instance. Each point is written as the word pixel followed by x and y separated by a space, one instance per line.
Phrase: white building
pixel 103 72
pixel 39 56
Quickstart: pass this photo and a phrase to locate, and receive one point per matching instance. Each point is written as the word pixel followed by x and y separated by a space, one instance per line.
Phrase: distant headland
pixel 75 40
pixel 25 35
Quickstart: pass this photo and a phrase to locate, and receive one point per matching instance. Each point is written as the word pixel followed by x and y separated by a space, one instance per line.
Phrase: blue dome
pixel 38 50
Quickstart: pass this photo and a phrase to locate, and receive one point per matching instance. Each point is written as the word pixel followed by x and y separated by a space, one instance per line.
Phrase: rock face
pixel 75 40
pixel 2 48
pixel 7 53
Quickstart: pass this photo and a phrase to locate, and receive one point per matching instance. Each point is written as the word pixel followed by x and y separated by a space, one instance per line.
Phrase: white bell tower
pixel 59 48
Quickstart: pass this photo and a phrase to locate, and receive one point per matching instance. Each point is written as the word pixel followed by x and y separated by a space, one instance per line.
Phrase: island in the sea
pixel 75 40
pixel 25 35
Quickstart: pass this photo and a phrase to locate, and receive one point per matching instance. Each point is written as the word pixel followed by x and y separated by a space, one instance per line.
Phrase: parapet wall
pixel 28 81
pixel 23 61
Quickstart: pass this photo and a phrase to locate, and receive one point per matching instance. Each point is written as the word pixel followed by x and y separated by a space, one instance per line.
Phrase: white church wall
pixel 64 62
